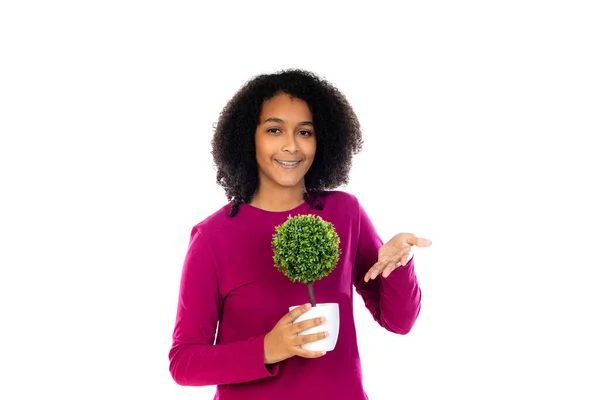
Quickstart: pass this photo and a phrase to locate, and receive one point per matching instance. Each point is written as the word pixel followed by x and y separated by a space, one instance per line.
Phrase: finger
pixel 392 265
pixel 304 325
pixel 380 267
pixel 374 271
pixel 388 270
pixel 404 258
pixel 295 313
pixel 388 262
pixel 313 337
pixel 309 354
pixel 368 274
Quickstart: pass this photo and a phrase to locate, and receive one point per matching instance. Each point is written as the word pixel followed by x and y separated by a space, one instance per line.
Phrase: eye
pixel 273 130
pixel 305 133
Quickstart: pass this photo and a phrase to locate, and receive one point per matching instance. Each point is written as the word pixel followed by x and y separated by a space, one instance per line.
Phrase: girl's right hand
pixel 283 341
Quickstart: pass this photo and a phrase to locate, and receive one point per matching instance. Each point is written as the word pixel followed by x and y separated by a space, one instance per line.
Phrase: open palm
pixel 394 254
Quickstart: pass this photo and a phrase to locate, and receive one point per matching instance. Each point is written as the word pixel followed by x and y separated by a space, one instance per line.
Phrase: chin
pixel 289 184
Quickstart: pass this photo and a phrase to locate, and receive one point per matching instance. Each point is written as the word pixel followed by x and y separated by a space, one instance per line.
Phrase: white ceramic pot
pixel 331 312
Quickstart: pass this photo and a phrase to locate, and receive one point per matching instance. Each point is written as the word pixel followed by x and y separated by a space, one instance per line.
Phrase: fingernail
pixel 307 305
pixel 323 353
pixel 323 320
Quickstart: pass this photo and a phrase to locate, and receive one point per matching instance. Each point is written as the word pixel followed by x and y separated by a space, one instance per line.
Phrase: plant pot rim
pixel 321 305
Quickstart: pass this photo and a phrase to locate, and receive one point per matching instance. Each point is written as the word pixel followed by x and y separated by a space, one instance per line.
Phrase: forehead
pixel 285 107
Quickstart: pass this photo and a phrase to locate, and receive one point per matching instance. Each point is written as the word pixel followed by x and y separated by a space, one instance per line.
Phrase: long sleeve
pixel 394 301
pixel 194 358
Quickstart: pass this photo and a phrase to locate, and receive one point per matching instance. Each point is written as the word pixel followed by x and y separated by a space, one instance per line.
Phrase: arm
pixel 194 358
pixel 394 301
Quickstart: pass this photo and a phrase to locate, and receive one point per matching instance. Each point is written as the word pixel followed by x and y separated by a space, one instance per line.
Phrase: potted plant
pixel 306 249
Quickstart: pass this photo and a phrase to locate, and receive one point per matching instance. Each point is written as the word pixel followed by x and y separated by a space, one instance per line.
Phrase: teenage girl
pixel 282 145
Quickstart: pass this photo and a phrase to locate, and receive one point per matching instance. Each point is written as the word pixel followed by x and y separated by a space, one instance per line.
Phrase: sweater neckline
pixel 269 212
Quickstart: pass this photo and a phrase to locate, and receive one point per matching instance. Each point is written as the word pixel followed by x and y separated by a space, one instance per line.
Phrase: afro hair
pixel 337 130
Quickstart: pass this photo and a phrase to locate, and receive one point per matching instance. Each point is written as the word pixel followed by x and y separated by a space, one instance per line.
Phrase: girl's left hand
pixel 395 253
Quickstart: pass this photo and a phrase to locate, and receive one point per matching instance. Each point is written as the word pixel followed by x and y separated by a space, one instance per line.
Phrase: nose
pixel 289 143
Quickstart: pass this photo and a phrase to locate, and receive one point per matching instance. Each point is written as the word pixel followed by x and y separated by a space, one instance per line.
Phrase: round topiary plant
pixel 306 249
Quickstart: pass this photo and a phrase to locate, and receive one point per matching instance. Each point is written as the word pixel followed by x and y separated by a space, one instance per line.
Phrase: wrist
pixel 266 359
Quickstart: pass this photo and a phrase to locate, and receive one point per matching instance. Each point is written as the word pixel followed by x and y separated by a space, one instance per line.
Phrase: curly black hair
pixel 337 130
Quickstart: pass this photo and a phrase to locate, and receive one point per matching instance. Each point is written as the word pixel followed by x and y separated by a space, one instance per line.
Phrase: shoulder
pixel 339 198
pixel 213 223
pixel 342 205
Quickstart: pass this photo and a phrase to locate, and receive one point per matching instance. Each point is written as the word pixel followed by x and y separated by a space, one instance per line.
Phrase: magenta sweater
pixel 229 280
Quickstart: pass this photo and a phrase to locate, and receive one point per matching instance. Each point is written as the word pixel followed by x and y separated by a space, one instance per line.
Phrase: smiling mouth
pixel 288 163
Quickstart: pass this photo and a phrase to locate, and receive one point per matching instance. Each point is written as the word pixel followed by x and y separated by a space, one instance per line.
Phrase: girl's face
pixel 285 142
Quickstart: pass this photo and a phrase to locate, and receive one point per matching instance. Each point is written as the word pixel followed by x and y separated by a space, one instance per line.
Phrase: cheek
pixel 261 150
pixel 310 150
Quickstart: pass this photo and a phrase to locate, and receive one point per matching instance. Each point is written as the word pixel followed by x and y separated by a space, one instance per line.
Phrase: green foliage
pixel 306 248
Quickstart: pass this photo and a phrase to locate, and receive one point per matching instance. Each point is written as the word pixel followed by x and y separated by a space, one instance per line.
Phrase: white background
pixel 481 122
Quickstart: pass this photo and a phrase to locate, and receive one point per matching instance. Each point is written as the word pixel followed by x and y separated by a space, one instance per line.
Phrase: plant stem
pixel 311 294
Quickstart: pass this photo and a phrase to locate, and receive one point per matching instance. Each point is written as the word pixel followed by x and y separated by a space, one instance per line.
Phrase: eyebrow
pixel 280 121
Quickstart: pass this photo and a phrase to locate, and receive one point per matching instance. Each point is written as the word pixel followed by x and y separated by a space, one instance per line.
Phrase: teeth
pixel 287 163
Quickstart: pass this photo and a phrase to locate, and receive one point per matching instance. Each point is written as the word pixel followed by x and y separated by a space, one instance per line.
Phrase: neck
pixel 278 199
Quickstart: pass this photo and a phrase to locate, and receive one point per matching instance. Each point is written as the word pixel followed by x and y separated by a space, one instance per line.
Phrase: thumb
pixel 417 241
